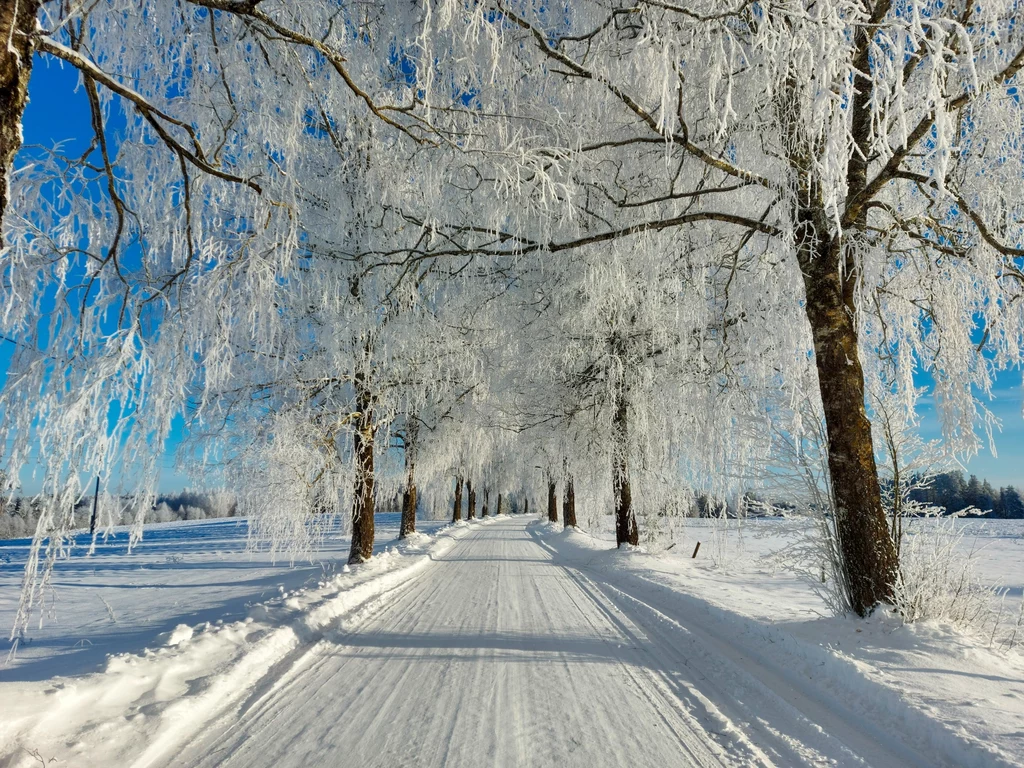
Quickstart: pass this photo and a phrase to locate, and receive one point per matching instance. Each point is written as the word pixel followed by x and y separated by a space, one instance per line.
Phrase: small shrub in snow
pixel 813 554
pixel 938 580
pixel 1015 634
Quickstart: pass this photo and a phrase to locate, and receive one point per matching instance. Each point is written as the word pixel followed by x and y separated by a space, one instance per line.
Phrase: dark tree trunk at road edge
pixel 625 519
pixel 457 506
pixel 363 506
pixel 869 556
pixel 552 501
pixel 569 503
pixel 409 504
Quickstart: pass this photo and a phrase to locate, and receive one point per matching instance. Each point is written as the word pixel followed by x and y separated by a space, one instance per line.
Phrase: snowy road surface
pixel 499 654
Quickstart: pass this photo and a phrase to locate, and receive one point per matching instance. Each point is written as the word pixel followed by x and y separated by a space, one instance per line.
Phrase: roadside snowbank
pixel 144 706
pixel 936 690
pixel 113 601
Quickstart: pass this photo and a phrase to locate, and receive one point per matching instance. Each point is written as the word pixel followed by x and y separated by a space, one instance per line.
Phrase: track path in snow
pixel 498 654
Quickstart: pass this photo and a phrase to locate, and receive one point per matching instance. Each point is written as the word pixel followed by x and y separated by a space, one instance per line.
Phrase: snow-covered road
pixel 504 653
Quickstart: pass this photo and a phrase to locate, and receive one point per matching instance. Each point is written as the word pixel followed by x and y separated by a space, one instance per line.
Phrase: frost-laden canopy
pixel 312 227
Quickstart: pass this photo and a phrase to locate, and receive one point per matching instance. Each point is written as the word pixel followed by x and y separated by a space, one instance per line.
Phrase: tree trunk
pixel 409 503
pixel 830 274
pixel 552 501
pixel 501 510
pixel 95 509
pixel 457 506
pixel 869 558
pixel 362 506
pixel 408 524
pixel 17 22
pixel 487 499
pixel 625 519
pixel 569 503
pixel 472 500
pixel 526 509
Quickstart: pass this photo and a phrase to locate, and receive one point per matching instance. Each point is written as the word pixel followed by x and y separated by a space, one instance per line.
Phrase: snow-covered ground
pixel 955 694
pixel 503 643
pixel 184 572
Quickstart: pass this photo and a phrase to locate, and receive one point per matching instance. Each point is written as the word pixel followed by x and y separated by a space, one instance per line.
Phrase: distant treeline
pixel 950 491
pixel 20 514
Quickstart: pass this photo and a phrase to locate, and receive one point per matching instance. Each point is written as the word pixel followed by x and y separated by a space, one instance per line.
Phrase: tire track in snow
pixel 699 749
pixel 797 723
pixel 493 656
pixel 501 653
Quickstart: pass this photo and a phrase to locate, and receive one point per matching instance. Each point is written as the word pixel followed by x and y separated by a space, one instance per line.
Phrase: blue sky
pixel 58 111
pixel 1008 467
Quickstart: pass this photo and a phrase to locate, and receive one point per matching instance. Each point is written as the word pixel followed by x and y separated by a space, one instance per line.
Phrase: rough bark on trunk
pixel 408 524
pixel 569 503
pixel 869 557
pixel 501 509
pixel 472 501
pixel 362 506
pixel 409 504
pixel 830 273
pixel 552 502
pixel 625 519
pixel 457 506
pixel 17 22
pixel 487 500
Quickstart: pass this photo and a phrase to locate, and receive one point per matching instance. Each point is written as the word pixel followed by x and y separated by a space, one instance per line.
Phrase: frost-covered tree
pixel 128 271
pixel 361 355
pixel 837 177
pixel 865 147
pixel 619 374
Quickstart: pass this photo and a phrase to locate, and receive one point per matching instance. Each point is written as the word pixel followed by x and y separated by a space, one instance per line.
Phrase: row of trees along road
pixel 365 247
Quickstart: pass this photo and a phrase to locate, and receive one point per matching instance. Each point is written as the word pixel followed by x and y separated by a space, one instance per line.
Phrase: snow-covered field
pixel 184 572
pixel 502 643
